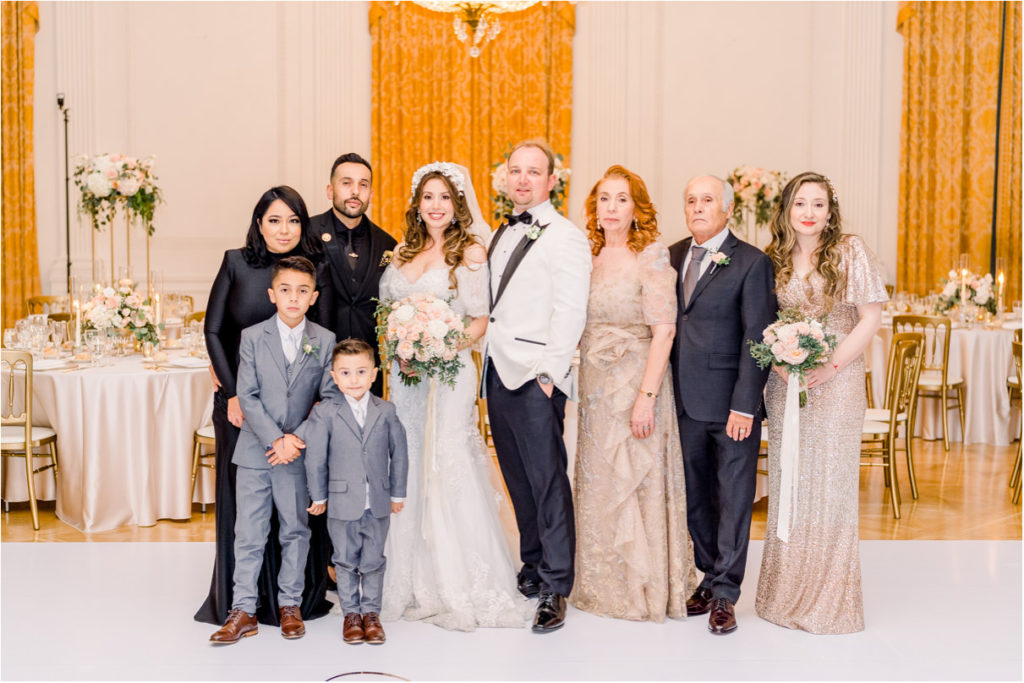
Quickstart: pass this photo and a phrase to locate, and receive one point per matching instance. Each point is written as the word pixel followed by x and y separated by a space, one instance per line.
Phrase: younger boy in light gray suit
pixel 357 465
pixel 283 368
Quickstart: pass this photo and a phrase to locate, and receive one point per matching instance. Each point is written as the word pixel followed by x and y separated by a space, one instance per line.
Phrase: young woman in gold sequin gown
pixel 634 558
pixel 812 582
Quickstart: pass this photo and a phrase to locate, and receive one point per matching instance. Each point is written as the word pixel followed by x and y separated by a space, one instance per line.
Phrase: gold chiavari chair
pixel 935 382
pixel 18 437
pixel 60 317
pixel 1013 382
pixel 198 316
pixel 867 388
pixel 905 359
pixel 482 419
pixel 889 289
pixel 1015 475
pixel 35 303
pixel 178 304
pixel 204 436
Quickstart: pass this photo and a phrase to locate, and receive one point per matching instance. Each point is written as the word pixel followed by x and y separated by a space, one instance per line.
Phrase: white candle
pixel 156 299
pixel 963 286
pixel 78 323
pixel 1001 280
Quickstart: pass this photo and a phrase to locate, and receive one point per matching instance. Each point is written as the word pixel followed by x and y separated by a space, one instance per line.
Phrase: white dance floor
pixel 934 610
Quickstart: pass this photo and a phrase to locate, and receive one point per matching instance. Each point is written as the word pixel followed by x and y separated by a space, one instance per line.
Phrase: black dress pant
pixel 527 427
pixel 721 475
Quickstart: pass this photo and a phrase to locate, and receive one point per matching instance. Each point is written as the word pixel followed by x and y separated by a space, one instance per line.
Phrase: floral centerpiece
pixel 109 180
pixel 979 291
pixel 424 333
pixel 121 308
pixel 797 343
pixel 757 193
pixel 499 182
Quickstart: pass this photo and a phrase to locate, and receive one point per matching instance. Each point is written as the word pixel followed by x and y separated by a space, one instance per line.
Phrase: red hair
pixel 644 230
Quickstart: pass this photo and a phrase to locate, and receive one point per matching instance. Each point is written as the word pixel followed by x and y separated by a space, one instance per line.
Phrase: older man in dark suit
pixel 357 250
pixel 726 298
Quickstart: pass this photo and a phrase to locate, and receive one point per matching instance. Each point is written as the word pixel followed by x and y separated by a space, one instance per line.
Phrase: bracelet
pixel 649 394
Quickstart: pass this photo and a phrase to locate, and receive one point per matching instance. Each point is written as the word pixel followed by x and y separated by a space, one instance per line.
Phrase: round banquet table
pixel 124 439
pixel 983 358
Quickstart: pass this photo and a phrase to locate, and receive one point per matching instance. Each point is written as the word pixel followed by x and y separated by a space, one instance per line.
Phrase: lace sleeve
pixel 657 285
pixel 473 283
pixel 864 284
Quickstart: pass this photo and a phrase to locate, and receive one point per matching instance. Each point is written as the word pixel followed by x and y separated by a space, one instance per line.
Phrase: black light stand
pixel 67 192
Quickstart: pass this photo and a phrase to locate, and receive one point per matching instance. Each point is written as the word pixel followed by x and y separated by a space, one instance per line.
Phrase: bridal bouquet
pixel 499 183
pixel 121 308
pixel 109 180
pixel 796 343
pixel 757 192
pixel 425 333
pixel 979 291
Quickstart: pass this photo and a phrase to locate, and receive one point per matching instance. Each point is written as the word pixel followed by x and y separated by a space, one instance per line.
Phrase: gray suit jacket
pixel 273 404
pixel 341 458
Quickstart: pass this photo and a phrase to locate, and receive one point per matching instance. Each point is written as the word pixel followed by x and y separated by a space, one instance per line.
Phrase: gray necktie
pixel 692 273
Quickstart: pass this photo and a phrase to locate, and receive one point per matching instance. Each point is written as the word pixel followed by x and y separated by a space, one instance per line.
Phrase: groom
pixel 726 298
pixel 539 281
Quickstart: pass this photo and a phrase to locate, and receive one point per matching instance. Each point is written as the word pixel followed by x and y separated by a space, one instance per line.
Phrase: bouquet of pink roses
pixel 795 342
pixel 424 333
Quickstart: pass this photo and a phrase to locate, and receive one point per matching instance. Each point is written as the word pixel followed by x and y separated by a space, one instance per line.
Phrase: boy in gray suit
pixel 283 367
pixel 356 465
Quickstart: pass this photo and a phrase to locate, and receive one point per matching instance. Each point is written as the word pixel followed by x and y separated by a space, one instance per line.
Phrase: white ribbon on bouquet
pixel 789 459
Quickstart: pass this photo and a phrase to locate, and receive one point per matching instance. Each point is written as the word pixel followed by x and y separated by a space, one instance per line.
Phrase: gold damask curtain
pixel 953 93
pixel 20 253
pixel 433 102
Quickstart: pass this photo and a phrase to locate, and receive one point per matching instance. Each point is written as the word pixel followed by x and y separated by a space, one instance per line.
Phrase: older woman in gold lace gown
pixel 634 557
pixel 812 581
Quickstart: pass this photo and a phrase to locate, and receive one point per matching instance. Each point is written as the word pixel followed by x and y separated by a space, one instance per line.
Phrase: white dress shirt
pixel 291 338
pixel 712 245
pixel 510 238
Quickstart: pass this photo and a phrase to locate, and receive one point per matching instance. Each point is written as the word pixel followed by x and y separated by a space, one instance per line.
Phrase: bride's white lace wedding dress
pixel 448 562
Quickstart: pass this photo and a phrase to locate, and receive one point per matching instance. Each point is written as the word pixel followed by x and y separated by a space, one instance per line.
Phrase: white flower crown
pixel 445 168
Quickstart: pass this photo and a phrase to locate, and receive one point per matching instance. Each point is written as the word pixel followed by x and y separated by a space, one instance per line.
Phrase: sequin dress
pixel 813 581
pixel 634 557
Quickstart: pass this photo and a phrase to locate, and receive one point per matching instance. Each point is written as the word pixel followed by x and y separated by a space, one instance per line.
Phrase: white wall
pixel 234 97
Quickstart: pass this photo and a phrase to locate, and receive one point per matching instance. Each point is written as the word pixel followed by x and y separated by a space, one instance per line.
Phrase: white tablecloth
pixel 124 435
pixel 983 357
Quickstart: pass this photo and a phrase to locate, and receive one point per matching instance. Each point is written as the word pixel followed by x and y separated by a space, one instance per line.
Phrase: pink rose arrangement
pixel 424 334
pixel 796 343
pixel 107 181
pixel 757 191
pixel 121 307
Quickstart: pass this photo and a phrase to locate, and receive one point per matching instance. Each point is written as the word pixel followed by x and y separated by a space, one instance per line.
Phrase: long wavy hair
pixel 457 237
pixel 644 229
pixel 826 257
pixel 255 251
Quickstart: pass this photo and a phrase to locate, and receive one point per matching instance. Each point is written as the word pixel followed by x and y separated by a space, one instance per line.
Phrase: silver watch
pixel 544 378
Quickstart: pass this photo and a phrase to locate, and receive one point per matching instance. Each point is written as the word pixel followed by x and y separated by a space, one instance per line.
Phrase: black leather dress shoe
pixel 723 617
pixel 529 587
pixel 699 603
pixel 550 613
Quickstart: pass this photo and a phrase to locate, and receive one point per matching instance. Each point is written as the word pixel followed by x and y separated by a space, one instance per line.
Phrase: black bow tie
pixel 525 218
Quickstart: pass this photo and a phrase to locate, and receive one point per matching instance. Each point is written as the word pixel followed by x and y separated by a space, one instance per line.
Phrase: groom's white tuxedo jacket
pixel 539 302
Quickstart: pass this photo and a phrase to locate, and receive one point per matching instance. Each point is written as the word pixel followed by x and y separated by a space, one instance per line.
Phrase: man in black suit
pixel 357 250
pixel 726 298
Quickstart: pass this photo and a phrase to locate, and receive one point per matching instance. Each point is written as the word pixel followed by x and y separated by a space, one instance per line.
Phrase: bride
pixel 448 562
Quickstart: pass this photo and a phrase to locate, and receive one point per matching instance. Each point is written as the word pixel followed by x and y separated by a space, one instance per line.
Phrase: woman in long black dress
pixel 238 299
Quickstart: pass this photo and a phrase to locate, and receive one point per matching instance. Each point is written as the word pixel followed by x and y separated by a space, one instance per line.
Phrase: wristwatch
pixel 544 378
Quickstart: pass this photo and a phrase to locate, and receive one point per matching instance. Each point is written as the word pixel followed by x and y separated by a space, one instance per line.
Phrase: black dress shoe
pixel 529 587
pixel 723 617
pixel 699 603
pixel 550 613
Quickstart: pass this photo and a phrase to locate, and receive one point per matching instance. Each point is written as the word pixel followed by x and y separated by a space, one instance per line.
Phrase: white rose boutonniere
pixel 309 346
pixel 719 259
pixel 534 231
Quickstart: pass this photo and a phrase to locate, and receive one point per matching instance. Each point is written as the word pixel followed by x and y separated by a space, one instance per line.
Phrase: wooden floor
pixel 963 496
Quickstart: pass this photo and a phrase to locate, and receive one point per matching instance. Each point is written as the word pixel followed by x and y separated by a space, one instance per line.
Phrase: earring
pixel 635 226
pixel 454 221
pixel 419 218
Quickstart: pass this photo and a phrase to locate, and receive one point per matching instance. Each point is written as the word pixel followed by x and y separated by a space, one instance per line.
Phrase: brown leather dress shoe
pixel 238 624
pixel 291 622
pixel 373 629
pixel 352 631
pixel 723 618
pixel 699 603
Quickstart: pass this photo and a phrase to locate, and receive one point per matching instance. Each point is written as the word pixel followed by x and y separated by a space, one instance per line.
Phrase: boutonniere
pixel 719 259
pixel 534 231
pixel 386 258
pixel 309 346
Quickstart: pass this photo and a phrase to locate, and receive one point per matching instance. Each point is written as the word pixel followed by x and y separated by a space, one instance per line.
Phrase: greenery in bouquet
pixel 424 334
pixel 108 181
pixel 499 183
pixel 757 192
pixel 795 342
pixel 121 308
pixel 979 292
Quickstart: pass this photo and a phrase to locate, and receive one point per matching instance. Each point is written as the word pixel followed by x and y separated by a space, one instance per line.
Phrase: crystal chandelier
pixel 476 19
